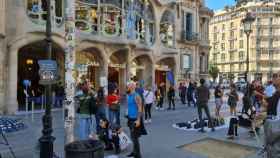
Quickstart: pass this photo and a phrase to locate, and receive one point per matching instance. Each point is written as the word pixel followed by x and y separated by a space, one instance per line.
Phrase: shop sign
pixel 47 72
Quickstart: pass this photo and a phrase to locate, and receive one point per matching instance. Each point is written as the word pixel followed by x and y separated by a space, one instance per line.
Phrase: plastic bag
pixel 125 141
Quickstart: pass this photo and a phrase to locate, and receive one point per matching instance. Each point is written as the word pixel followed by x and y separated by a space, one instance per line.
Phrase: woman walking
pixel 218 100
pixel 233 99
pixel 171 97
pixel 149 98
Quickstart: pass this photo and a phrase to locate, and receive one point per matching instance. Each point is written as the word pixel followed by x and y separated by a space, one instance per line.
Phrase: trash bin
pixel 85 149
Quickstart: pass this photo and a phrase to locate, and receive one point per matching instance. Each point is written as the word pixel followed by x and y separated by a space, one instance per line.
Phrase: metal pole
pixel 247 58
pixel 46 141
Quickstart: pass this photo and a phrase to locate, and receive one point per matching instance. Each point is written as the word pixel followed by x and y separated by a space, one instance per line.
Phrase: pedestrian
pixel 158 97
pixel 134 115
pixel 84 116
pixel 149 98
pixel 218 100
pixel 100 112
pixel 113 101
pixel 194 94
pixel 182 92
pixel 274 104
pixel 190 94
pixel 203 95
pixel 269 92
pixel 171 97
pixel 59 95
pixel 233 99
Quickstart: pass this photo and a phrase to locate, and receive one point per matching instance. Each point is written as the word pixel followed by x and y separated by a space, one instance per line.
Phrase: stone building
pixel 115 40
pixel 228 40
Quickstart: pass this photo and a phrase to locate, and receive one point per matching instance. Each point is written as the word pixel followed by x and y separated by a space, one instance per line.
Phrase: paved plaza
pixel 162 141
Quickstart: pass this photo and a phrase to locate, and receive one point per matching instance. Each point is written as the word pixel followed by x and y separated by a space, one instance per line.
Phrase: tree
pixel 214 72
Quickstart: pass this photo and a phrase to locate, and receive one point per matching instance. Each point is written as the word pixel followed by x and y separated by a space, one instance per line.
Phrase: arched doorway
pixel 165 70
pixel 117 70
pixel 90 64
pixel 28 69
pixel 142 69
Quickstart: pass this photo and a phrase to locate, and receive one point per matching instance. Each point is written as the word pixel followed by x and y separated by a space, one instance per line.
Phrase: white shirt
pixel 269 90
pixel 149 97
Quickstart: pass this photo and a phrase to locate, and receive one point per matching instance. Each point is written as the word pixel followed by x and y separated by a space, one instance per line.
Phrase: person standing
pixel 203 95
pixel 218 99
pixel 149 98
pixel 182 92
pixel 158 97
pixel 100 111
pixel 84 115
pixel 134 115
pixel 190 94
pixel 162 94
pixel 269 92
pixel 171 97
pixel 113 101
pixel 232 100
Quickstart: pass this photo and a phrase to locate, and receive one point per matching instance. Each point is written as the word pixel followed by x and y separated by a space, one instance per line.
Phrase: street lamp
pixel 247 24
pixel 46 141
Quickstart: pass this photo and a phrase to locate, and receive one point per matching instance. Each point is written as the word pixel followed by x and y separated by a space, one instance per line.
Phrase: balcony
pixel 192 37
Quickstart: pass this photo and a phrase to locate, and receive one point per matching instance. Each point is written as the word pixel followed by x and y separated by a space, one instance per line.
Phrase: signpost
pixel 47 72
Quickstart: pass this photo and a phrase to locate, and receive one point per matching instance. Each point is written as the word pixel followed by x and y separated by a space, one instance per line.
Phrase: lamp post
pixel 247 23
pixel 46 141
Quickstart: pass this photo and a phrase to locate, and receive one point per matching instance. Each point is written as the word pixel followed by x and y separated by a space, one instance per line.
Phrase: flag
pixel 170 78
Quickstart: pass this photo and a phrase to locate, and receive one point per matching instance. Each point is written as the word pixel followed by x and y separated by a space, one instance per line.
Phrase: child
pixel 109 134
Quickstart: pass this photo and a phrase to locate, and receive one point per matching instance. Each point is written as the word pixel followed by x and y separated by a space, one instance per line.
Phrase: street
pixel 162 141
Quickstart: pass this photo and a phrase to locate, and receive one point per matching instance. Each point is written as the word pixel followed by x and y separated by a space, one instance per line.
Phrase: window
pixel 187 61
pixel 215 36
pixel 241 55
pixel 231 34
pixel 240 44
pixel 241 33
pixel 222 46
pixel 215 58
pixel 223 36
pixel 223 57
pixel 231 56
pixel 223 27
pixel 188 25
pixel 223 68
pixel 231 68
pixel 231 45
pixel 167 29
pixel 231 25
pixel 215 28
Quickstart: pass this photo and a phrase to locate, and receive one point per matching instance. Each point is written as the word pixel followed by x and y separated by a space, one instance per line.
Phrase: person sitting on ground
pixel 109 134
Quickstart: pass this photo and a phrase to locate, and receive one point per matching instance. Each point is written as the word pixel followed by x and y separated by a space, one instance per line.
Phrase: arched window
pixel 167 30
pixel 140 21
pixel 86 16
pixel 37 11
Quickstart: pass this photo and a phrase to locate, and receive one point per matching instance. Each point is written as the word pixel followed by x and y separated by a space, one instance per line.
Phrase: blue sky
pixel 218 4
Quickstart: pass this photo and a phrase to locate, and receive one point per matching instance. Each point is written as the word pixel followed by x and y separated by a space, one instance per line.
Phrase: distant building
pixel 116 40
pixel 228 40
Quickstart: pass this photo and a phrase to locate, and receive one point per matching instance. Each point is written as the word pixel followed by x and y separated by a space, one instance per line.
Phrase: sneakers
pixel 146 121
pixel 150 120
pixel 161 109
pixel 157 108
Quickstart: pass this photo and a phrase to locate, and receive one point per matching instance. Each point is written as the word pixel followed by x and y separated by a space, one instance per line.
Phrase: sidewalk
pixel 162 140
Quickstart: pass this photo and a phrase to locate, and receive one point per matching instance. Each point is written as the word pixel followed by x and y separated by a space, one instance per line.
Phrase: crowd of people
pixel 106 108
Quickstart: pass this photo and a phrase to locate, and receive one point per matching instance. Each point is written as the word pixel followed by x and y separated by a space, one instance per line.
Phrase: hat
pixel 131 84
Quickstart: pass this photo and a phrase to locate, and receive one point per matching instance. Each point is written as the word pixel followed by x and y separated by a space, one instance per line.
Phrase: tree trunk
pixel 69 70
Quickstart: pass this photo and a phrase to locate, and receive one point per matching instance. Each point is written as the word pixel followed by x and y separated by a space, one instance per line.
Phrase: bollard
pixel 32 110
pixel 26 106
pixel 42 102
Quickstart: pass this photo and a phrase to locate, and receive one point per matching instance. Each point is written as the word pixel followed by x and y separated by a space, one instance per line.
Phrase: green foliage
pixel 214 71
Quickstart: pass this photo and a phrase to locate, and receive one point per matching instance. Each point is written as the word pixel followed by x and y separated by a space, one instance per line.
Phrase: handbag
pixel 115 107
pixel 125 141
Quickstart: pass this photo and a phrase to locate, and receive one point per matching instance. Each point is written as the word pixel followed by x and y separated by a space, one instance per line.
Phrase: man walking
pixel 203 95
pixel 134 114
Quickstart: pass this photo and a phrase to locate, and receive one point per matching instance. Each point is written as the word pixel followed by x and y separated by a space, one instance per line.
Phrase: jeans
pixel 148 108
pixel 135 138
pixel 160 102
pixel 114 116
pixel 183 98
pixel 207 112
pixel 171 101
pixel 84 126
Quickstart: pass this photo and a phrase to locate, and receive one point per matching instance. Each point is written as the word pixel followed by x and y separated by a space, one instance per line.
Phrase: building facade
pixel 116 40
pixel 229 42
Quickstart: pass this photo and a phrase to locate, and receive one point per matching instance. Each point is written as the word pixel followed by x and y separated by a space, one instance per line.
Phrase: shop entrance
pixel 28 70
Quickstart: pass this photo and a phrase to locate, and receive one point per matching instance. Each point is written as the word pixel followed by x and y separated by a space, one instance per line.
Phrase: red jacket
pixel 111 98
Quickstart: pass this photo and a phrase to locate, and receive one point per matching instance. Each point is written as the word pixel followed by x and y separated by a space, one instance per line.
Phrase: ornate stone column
pixel 11 92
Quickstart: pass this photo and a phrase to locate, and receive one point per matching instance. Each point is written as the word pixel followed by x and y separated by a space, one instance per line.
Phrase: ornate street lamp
pixel 247 24
pixel 46 141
